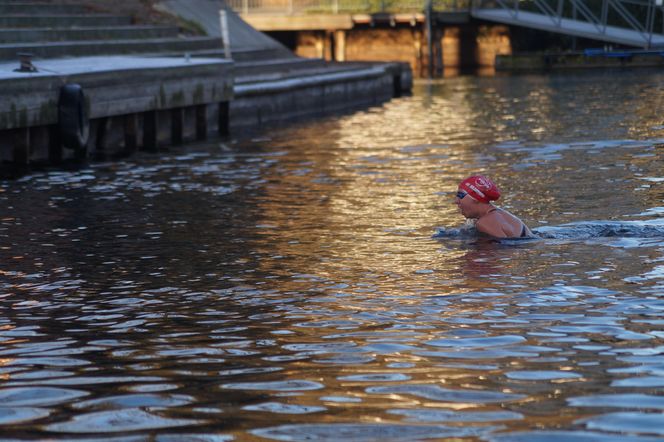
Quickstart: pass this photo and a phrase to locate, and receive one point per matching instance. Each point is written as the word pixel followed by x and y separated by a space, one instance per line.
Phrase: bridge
pixel 625 22
pixel 638 23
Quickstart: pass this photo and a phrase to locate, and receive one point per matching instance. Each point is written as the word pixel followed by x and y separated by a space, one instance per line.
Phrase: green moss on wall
pixel 199 94
pixel 177 99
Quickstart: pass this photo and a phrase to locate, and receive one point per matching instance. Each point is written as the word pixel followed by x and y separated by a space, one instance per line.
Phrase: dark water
pixel 289 288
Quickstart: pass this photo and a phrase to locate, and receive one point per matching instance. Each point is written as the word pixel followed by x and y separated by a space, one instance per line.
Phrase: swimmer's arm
pixel 491 229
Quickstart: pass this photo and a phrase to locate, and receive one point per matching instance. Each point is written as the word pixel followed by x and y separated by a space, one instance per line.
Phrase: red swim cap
pixel 480 188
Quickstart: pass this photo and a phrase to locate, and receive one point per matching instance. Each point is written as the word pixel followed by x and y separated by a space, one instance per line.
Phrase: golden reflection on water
pixel 368 195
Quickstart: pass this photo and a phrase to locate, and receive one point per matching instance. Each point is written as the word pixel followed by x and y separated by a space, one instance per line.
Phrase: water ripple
pixel 130 419
pixel 567 436
pixel 277 407
pixel 541 375
pixel 627 422
pixel 37 396
pixel 289 385
pixel 428 415
pixel 363 432
pixel 634 400
pixel 434 392
pixel 16 415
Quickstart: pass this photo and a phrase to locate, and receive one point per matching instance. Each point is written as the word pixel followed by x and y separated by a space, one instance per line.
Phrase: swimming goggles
pixel 460 194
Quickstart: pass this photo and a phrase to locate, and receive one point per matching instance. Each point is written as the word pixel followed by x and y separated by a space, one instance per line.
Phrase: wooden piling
pixel 150 131
pixel 224 118
pixel 54 145
pixel 177 123
pixel 102 135
pixel 20 139
pixel 130 133
pixel 320 44
pixel 201 122
pixel 340 45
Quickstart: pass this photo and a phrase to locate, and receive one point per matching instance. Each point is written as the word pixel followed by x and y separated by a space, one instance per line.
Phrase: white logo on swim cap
pixel 476 190
pixel 482 182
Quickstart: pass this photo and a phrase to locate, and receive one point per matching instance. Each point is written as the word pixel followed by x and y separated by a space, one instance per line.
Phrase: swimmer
pixel 474 198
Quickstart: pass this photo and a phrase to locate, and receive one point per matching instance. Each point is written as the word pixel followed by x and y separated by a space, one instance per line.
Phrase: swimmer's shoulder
pixel 489 226
pixel 499 223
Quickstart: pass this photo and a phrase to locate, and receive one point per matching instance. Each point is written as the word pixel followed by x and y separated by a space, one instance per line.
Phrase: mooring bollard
pixel 25 60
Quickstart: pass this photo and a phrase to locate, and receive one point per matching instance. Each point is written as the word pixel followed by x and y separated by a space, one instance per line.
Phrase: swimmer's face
pixel 467 205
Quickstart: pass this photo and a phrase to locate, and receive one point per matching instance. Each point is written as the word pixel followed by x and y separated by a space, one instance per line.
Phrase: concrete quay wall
pixel 146 103
pixel 578 60
pixel 257 104
pixel 136 91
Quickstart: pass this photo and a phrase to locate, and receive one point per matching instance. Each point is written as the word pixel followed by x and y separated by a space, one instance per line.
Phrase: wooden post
pixel 320 44
pixel 224 118
pixel 417 44
pixel 20 139
pixel 329 45
pixel 429 31
pixel 130 132
pixel 438 46
pixel 100 139
pixel 201 122
pixel 177 116
pixel 54 145
pixel 150 131
pixel 340 45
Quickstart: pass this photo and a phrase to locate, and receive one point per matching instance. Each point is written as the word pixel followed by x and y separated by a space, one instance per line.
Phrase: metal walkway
pixel 625 22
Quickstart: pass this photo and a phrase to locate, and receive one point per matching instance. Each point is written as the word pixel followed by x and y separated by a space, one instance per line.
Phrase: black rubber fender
pixel 73 118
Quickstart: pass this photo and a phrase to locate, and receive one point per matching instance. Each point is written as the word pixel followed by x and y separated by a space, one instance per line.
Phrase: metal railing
pixel 290 7
pixel 642 16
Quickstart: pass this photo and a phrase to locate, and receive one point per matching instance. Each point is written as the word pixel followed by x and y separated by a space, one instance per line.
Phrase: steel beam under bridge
pixel 625 22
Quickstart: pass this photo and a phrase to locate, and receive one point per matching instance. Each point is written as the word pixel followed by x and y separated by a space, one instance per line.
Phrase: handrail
pixel 291 7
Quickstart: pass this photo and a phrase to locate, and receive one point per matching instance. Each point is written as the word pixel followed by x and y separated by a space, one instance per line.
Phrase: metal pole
pixel 651 20
pixel 574 18
pixel 559 11
pixel 225 36
pixel 429 25
pixel 605 14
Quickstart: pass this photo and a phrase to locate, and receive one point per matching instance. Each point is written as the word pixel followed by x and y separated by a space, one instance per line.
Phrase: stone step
pixel 298 70
pixel 240 55
pixel 32 7
pixel 61 20
pixel 173 46
pixel 31 35
pixel 249 70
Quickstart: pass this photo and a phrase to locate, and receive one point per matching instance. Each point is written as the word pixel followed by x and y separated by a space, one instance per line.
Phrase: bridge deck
pixel 571 27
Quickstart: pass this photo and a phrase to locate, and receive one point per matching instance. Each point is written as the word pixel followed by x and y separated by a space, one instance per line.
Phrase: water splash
pixel 581 230
pixel 621 233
